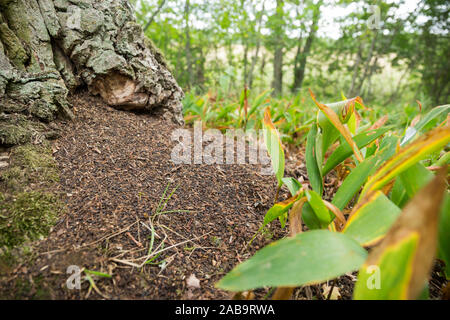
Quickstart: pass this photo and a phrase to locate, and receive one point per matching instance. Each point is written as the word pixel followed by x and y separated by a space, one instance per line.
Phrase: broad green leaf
pixel 292 184
pixel 345 111
pixel 308 258
pixel 359 175
pixel 407 157
pixel 406 255
pixel 329 132
pixel 323 214
pixel 309 217
pixel 408 183
pixel 344 150
pixel 353 182
pixel 274 146
pixel 371 220
pixel 312 167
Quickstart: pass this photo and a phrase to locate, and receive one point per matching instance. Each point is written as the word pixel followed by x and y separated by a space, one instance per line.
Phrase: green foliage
pixel 227 44
pixel 320 210
pixel 344 150
pixel 371 217
pixel 274 146
pixel 313 159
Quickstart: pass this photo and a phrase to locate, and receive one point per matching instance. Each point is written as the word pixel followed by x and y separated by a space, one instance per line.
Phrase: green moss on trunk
pixel 28 207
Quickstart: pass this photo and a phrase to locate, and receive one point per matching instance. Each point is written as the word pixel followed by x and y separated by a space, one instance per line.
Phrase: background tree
pixel 49 48
pixel 274 44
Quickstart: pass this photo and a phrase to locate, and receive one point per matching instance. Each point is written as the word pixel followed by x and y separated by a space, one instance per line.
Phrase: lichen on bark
pixel 49 48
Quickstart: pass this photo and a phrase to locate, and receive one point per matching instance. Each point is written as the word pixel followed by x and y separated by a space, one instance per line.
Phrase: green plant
pixel 384 177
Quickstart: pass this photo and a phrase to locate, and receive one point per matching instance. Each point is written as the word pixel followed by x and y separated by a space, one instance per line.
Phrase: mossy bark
pixel 49 48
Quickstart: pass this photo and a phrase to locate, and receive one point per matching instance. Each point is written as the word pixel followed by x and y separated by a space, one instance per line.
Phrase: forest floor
pixel 114 168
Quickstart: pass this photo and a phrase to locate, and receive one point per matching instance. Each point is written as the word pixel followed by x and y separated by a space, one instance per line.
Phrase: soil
pixel 114 168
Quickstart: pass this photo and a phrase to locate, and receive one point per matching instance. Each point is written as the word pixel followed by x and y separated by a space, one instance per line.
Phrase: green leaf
pixel 309 217
pixel 445 159
pixel 292 184
pixel 398 194
pixel 279 209
pixel 323 214
pixel 274 146
pixel 337 114
pixel 310 257
pixel 312 167
pixel 370 222
pixel 359 175
pixel 407 157
pixel 344 150
pixel 259 102
pixel 415 178
pixel 353 182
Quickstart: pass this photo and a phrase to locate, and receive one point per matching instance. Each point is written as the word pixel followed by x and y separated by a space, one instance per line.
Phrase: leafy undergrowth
pixel 293 115
pixel 393 195
pixel 28 207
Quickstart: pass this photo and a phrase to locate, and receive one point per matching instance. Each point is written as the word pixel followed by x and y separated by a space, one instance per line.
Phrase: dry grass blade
pixel 295 217
pixel 339 215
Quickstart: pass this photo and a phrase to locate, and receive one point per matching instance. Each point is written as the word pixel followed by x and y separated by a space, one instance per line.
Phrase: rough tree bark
pixel 49 48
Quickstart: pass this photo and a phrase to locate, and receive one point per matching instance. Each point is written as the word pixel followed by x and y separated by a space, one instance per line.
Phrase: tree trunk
pixel 277 83
pixel 367 66
pixel 262 72
pixel 188 44
pixel 245 62
pixel 302 54
pixel 355 71
pixel 258 45
pixel 49 48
